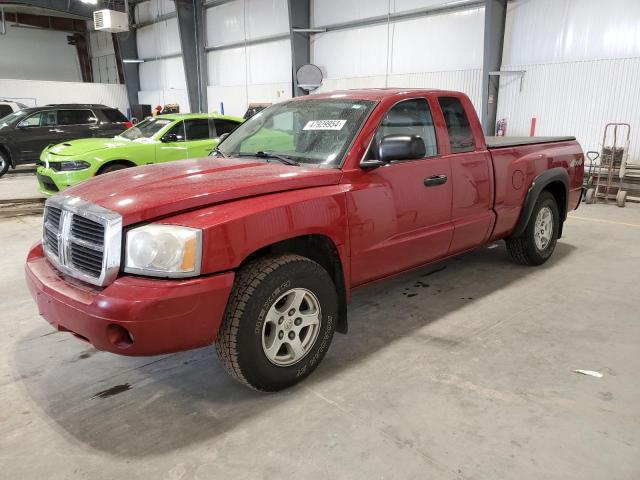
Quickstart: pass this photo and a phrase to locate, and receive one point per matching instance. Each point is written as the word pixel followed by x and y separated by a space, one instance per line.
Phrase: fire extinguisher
pixel 501 127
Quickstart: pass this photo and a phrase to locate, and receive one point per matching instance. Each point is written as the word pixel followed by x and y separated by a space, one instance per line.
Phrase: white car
pixel 7 107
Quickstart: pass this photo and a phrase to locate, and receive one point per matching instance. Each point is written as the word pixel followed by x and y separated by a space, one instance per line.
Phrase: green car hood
pixel 87 145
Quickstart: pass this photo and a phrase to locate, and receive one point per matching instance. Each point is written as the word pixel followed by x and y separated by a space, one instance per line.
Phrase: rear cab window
pixel 458 126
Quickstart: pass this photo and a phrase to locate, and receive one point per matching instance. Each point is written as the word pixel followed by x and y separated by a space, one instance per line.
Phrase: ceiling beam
pixel 61 6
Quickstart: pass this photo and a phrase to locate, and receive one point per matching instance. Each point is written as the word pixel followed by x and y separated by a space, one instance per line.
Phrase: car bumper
pixel 133 315
pixel 51 181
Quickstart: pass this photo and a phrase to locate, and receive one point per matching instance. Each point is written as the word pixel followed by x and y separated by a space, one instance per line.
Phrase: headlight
pixel 69 166
pixel 164 251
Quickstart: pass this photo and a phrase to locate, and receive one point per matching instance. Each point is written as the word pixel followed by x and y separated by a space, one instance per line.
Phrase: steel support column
pixel 299 18
pixel 192 40
pixel 495 15
pixel 127 46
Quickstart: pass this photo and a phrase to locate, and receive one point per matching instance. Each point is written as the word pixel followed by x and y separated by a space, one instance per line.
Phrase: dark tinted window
pixel 460 135
pixel 114 115
pixel 75 117
pixel 5 110
pixel 411 117
pixel 225 126
pixel 178 131
pixel 197 129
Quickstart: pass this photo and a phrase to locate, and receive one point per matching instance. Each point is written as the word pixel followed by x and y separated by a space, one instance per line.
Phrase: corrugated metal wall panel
pixel 467 81
pixel 574 98
pixel 35 92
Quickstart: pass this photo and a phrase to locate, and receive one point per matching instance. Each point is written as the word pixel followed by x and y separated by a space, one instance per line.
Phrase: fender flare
pixel 557 174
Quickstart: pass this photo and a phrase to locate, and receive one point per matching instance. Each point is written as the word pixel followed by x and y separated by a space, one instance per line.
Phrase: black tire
pixel 523 249
pixel 4 163
pixel 258 286
pixel 113 168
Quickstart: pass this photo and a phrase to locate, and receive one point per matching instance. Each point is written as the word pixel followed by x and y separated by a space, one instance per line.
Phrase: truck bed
pixel 504 142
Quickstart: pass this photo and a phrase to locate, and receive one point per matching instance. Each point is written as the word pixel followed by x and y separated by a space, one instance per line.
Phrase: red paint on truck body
pixel 381 221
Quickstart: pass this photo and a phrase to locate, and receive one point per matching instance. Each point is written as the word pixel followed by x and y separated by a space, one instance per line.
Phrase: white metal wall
pixel 162 81
pixel 38 55
pixel 35 92
pixel 248 74
pixel 439 51
pixel 103 58
pixel 582 62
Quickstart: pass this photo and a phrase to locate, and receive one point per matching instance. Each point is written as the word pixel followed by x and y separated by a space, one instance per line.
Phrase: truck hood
pixel 88 145
pixel 152 191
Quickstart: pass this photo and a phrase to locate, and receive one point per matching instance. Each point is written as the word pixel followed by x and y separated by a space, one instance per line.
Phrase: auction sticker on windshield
pixel 324 125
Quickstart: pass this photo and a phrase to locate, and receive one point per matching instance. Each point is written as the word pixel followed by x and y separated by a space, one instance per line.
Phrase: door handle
pixel 435 180
pixel 56 130
pixel 94 128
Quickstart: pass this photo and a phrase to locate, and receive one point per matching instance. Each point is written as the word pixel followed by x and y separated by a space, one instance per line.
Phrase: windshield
pixel 146 128
pixel 309 131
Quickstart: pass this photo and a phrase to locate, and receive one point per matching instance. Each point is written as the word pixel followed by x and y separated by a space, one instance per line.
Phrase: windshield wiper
pixel 217 150
pixel 276 156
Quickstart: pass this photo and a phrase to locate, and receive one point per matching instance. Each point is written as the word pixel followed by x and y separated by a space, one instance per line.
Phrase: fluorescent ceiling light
pixel 132 60
pixel 90 2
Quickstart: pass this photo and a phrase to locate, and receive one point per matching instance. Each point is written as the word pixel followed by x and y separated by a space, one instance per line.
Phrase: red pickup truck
pixel 257 247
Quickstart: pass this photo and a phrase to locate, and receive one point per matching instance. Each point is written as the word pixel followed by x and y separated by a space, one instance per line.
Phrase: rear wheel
pixel 279 322
pixel 4 163
pixel 537 242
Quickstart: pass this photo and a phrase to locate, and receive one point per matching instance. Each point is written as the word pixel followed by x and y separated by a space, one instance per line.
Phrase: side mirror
pixel 401 147
pixel 169 138
pixel 22 125
pixel 222 137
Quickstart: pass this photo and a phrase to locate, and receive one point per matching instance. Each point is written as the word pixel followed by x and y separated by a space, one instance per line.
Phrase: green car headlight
pixel 69 166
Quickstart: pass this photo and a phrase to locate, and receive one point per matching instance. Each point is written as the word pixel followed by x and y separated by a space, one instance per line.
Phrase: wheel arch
pixel 120 161
pixel 555 181
pixel 322 250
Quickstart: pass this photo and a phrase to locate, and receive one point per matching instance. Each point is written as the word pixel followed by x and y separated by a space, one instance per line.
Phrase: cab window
pixel 76 117
pixel 458 127
pixel 40 119
pixel 197 129
pixel 409 117
pixel 178 131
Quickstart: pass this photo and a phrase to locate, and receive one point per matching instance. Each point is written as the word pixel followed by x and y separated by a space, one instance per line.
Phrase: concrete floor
pixel 20 183
pixel 463 373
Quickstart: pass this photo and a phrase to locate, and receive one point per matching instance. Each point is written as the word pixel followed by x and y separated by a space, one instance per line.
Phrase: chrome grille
pixel 82 239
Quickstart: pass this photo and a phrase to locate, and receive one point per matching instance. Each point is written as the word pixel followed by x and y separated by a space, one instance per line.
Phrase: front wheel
pixel 279 322
pixel 4 163
pixel 538 241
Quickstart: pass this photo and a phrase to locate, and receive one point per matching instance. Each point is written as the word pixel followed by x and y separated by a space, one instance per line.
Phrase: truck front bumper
pixel 133 315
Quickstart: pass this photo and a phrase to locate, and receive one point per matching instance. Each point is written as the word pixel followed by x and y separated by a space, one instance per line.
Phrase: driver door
pixel 400 213
pixel 34 134
pixel 173 145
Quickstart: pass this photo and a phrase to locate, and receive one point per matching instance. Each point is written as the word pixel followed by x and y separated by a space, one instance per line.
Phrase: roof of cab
pixel 375 94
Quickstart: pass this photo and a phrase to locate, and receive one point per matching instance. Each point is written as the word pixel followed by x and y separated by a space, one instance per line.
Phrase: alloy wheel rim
pixel 291 327
pixel 543 228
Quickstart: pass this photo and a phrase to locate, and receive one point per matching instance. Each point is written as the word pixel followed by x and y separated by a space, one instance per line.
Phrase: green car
pixel 161 139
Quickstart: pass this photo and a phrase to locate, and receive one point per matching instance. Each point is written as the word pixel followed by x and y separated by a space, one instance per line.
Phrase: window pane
pixel 460 135
pixel 197 129
pixel 49 118
pixel 114 115
pixel 32 121
pixel 225 126
pixel 75 117
pixel 411 117
pixel 5 110
pixel 178 131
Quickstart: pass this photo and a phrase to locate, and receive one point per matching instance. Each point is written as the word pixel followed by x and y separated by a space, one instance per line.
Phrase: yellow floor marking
pixel 601 220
